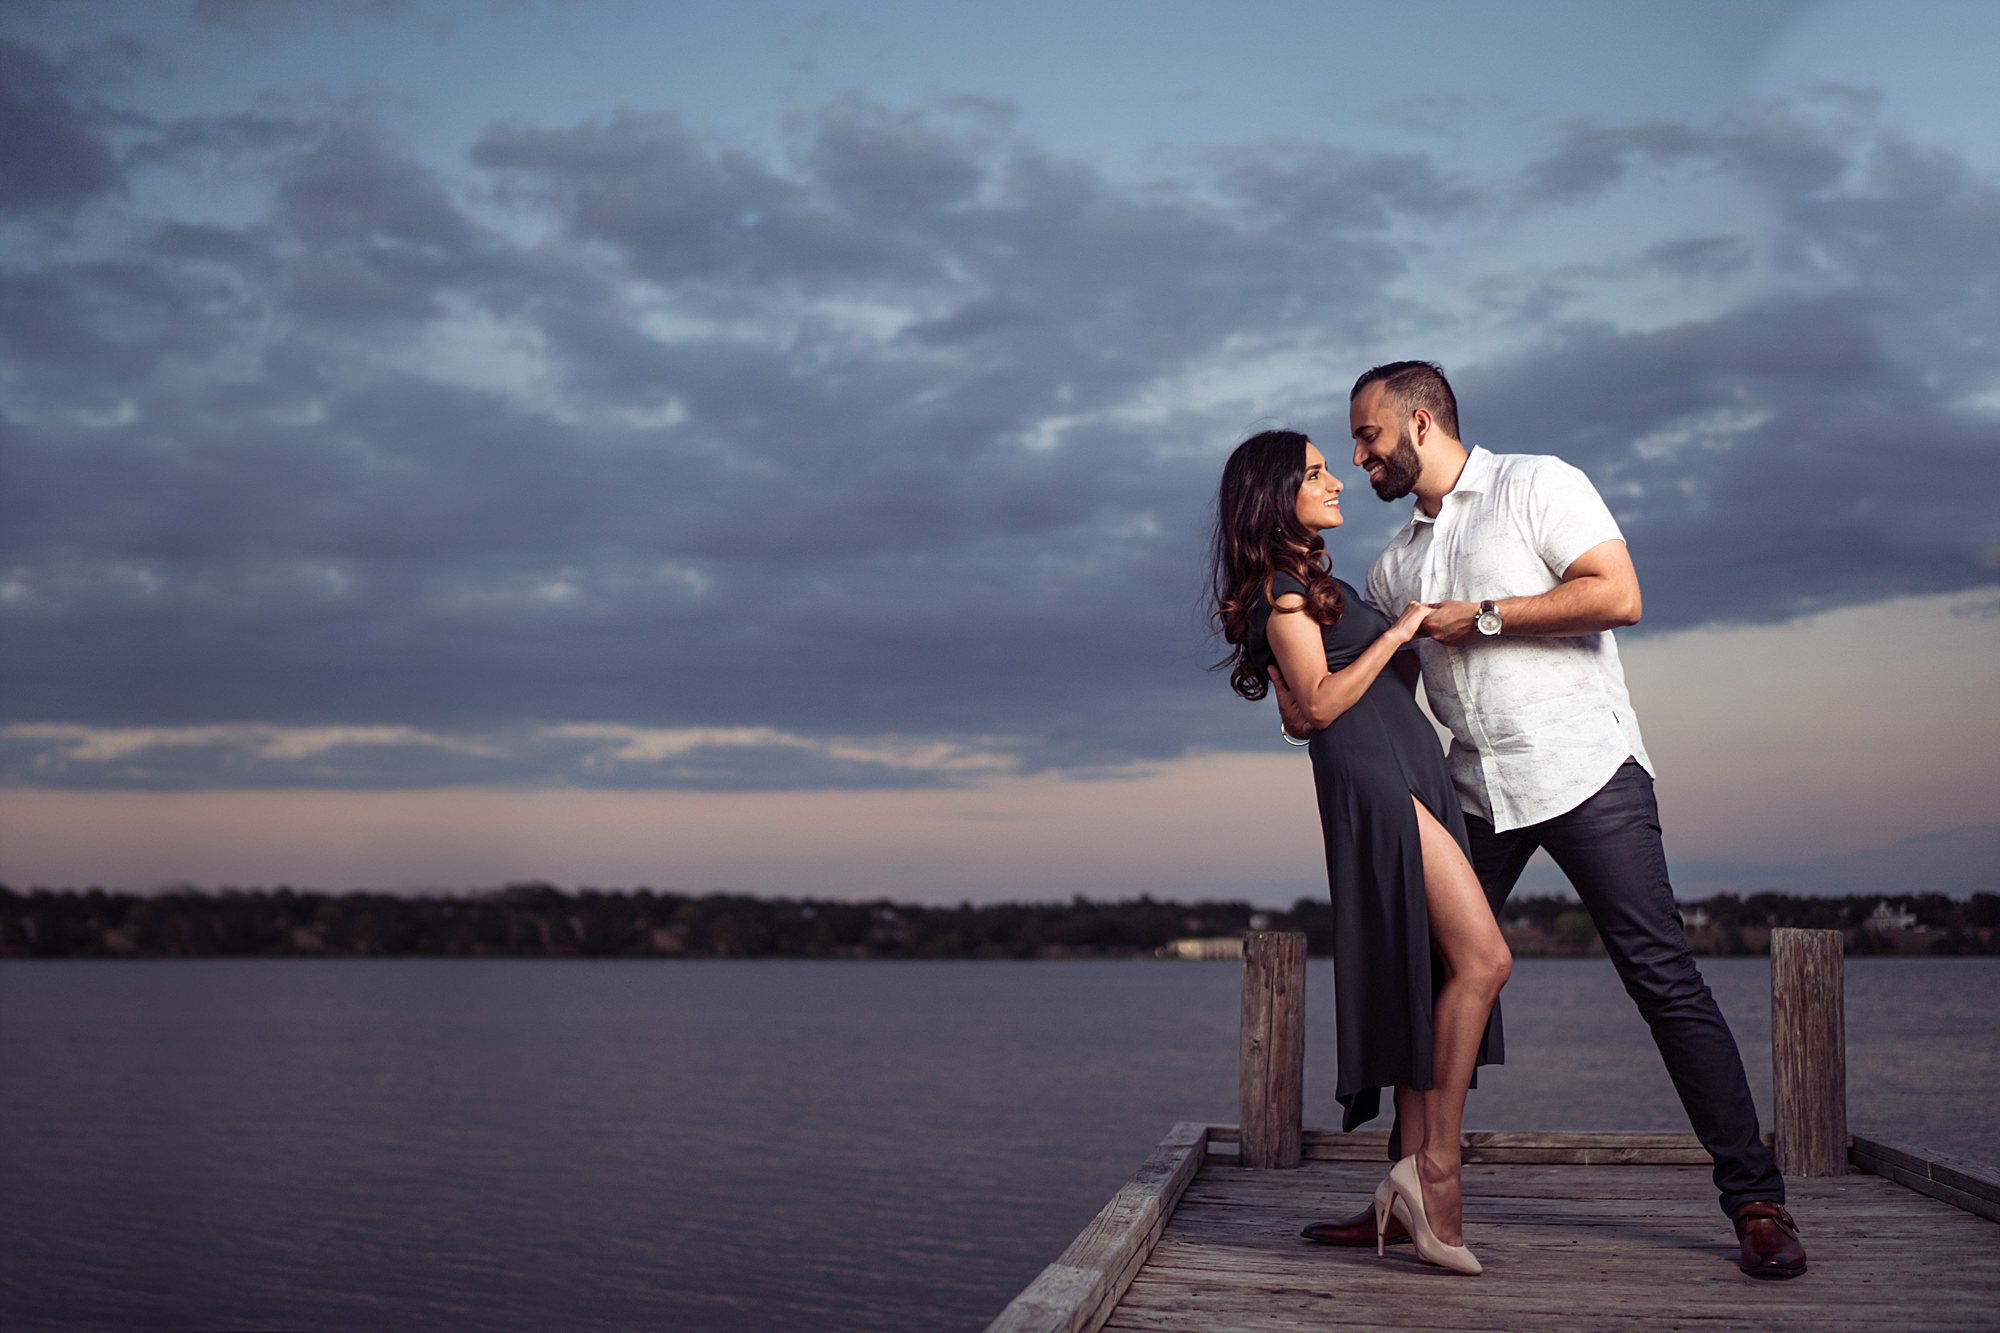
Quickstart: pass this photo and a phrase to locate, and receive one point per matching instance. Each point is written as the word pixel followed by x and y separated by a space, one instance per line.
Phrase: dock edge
pixel 1077 1292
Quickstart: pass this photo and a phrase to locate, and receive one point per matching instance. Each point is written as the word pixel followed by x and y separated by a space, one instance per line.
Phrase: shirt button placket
pixel 1465 672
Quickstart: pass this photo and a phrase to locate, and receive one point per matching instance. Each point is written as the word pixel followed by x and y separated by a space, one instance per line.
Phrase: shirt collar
pixel 1473 479
pixel 1478 472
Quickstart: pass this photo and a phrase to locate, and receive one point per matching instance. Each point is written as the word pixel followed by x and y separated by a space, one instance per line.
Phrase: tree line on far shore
pixel 539 920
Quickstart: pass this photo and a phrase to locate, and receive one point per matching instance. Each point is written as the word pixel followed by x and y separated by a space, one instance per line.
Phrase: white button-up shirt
pixel 1538 724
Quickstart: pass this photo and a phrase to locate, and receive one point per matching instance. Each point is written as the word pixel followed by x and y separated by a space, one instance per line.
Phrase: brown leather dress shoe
pixel 1770 1241
pixel 1356 1230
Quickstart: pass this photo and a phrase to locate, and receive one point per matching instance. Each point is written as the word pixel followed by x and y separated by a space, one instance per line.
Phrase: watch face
pixel 1489 622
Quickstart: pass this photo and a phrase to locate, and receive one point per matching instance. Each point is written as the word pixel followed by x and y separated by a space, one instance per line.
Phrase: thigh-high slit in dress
pixel 1366 767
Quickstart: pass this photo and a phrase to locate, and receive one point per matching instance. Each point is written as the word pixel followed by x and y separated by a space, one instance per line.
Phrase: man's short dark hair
pixel 1415 384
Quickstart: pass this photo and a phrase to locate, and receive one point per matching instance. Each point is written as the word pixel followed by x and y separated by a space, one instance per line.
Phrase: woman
pixel 1397 862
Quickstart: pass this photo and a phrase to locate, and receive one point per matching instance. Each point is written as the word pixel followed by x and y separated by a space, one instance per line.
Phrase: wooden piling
pixel 1808 1053
pixel 1272 1079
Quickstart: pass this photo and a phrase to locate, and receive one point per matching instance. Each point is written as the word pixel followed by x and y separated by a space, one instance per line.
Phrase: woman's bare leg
pixel 1411 1118
pixel 1477 964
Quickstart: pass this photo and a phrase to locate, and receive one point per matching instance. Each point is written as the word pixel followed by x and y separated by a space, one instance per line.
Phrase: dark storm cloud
pixel 1770 462
pixel 887 167
pixel 197 141
pixel 55 155
pixel 371 243
pixel 1794 156
pixel 1802 451
pixel 622 456
pixel 253 13
pixel 1340 188
pixel 1701 256
pixel 678 211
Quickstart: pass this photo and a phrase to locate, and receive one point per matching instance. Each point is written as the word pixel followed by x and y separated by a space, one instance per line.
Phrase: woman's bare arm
pixel 1301 658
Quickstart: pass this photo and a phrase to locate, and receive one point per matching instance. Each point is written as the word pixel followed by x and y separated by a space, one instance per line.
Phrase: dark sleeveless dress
pixel 1366 766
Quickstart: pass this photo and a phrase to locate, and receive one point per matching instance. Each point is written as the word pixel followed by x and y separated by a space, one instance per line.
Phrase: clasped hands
pixel 1451 623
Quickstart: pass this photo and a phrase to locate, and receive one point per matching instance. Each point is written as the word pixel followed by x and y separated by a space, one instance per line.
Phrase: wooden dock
pixel 1575 1230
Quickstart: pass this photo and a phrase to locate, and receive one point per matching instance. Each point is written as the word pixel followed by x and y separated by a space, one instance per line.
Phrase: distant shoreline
pixel 542 921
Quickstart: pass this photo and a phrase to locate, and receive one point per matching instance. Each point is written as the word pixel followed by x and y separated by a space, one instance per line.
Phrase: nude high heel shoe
pixel 1406 1199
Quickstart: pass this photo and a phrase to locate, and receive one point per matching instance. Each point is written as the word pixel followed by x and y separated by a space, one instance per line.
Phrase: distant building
pixel 1885 917
pixel 1208 946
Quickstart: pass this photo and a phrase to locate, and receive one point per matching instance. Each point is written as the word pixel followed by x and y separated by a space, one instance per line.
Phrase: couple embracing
pixel 1501 593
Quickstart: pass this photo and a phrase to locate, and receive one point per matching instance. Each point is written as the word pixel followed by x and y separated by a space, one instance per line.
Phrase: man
pixel 1530 574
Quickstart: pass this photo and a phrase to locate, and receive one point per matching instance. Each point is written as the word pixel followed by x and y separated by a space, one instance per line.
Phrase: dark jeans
pixel 1609 848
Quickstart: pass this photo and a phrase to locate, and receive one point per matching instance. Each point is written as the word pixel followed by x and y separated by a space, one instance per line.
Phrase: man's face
pixel 1385 442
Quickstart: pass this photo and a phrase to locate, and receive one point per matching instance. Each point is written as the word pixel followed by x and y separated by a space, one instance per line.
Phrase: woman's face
pixel 1319 494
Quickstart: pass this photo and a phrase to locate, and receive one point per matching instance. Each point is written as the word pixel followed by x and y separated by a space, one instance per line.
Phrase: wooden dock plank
pixel 1567 1244
pixel 1540 1146
pixel 1564 1247
pixel 1968 1185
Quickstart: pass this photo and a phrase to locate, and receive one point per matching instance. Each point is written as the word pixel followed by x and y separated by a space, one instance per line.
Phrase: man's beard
pixel 1397 476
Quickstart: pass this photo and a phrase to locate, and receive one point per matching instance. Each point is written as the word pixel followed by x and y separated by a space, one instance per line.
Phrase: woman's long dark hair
pixel 1258 535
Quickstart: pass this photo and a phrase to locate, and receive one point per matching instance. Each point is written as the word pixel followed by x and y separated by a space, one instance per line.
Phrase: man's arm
pixel 1599 591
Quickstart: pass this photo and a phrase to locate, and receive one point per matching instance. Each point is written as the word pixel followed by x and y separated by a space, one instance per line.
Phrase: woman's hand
pixel 1292 716
pixel 1411 621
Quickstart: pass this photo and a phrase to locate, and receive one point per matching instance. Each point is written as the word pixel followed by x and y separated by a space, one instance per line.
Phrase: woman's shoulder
pixel 1282 583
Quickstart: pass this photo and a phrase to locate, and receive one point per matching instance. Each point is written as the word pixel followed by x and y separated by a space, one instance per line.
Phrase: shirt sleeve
pixel 1566 515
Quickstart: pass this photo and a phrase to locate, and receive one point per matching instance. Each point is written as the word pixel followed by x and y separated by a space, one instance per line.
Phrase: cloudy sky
pixel 768 447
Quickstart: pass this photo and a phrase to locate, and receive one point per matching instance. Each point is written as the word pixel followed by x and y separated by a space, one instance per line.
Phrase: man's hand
pixel 1453 623
pixel 1295 720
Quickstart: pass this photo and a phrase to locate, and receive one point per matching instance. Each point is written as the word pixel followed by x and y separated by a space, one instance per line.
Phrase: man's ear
pixel 1423 419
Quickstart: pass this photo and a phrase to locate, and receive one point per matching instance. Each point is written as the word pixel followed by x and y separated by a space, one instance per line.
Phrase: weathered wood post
pixel 1808 1053
pixel 1274 1046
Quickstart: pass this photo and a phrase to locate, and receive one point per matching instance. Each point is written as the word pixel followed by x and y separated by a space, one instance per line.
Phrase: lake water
pixel 728 1145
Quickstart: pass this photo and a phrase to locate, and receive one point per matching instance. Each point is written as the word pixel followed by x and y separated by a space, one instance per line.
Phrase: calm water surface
pixel 727 1145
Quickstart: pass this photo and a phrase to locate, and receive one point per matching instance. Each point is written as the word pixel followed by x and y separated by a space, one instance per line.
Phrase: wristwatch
pixel 1489 618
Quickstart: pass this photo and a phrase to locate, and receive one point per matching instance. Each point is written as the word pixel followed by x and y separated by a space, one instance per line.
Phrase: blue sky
pixel 616 431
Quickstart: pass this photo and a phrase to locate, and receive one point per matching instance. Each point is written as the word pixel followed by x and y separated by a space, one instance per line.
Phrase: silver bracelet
pixel 1288 735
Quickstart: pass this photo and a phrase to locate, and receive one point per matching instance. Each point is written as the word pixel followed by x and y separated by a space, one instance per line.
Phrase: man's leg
pixel 1499 858
pixel 1610 849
